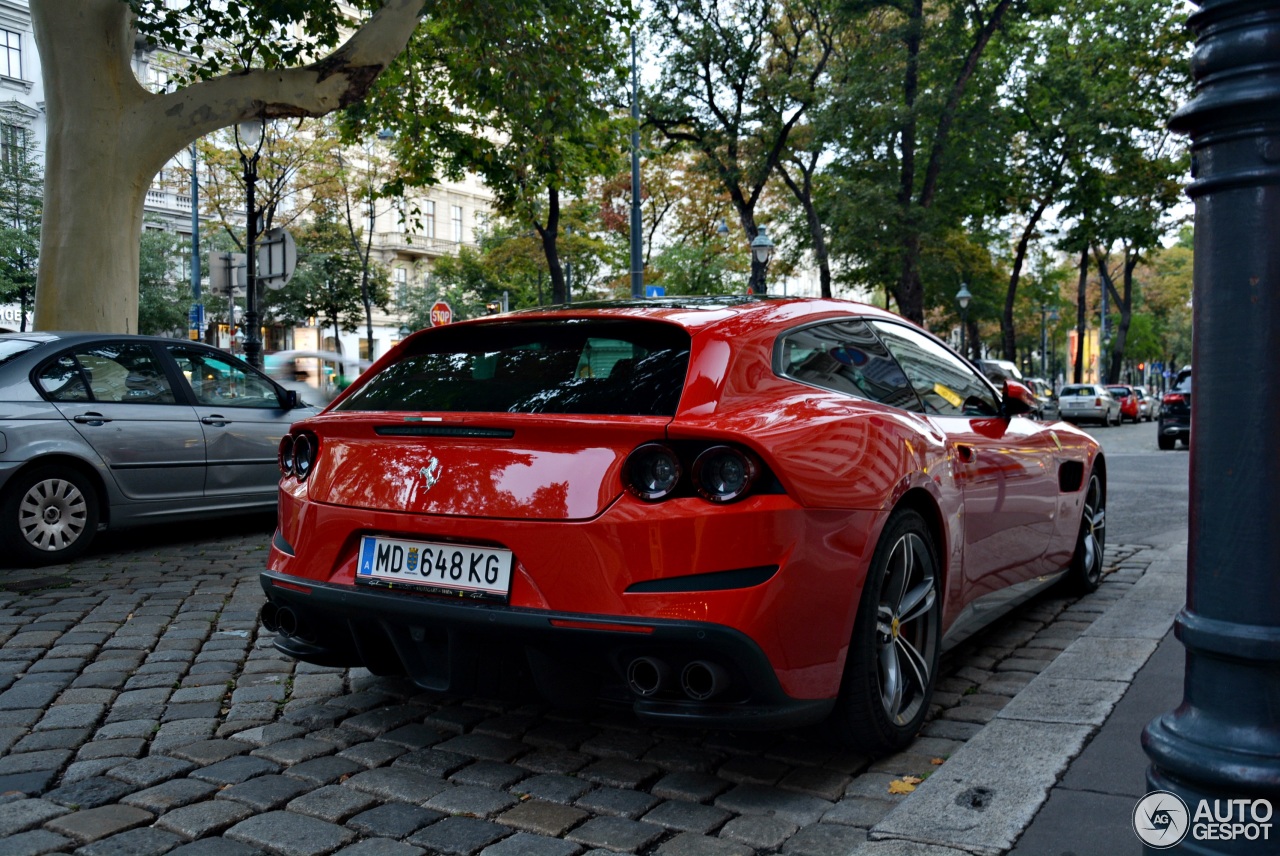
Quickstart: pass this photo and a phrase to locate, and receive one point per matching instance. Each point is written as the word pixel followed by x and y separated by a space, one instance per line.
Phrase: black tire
pixel 1165 443
pixel 1091 540
pixel 891 669
pixel 48 515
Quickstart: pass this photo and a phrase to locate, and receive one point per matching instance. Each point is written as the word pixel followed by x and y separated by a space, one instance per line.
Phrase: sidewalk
pixel 1060 769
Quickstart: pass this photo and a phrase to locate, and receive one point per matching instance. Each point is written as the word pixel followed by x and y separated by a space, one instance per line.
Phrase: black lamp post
pixel 761 253
pixel 249 142
pixel 963 296
pixel 1222 744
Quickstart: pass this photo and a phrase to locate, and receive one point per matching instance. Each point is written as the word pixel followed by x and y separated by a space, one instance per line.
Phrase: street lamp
pixel 249 142
pixel 761 253
pixel 963 296
pixel 1044 338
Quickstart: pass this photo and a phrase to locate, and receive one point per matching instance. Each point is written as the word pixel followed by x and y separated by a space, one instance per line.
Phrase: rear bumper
pixel 467 647
pixel 1174 426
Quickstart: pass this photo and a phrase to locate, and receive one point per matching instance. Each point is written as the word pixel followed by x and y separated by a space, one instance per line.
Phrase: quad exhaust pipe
pixel 279 619
pixel 646 676
pixel 701 680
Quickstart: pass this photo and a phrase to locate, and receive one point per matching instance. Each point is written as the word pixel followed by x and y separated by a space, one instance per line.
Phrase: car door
pixel 243 419
pixel 1006 467
pixel 120 400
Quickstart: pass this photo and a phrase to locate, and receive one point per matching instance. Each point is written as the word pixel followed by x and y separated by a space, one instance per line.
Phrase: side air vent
pixel 1070 476
pixel 443 431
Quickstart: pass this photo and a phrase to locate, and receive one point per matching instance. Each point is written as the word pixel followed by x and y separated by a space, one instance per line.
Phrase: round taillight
pixel 723 474
pixel 652 472
pixel 285 456
pixel 304 455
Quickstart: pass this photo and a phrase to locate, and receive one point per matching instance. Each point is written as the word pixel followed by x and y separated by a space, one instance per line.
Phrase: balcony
pixel 418 245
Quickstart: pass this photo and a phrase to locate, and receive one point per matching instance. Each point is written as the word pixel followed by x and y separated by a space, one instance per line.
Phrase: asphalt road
pixel 1147 489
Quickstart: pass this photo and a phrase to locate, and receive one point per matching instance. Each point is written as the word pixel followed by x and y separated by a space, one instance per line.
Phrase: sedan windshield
pixel 569 366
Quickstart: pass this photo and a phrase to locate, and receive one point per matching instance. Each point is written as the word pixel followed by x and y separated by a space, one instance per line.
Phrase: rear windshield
pixel 1077 390
pixel 568 366
pixel 10 348
pixel 1119 391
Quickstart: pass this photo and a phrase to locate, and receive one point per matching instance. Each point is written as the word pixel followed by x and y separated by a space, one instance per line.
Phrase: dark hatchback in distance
pixel 103 430
pixel 1175 413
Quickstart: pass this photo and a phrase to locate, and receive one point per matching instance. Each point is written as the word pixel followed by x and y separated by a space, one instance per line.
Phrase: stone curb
pixel 989 791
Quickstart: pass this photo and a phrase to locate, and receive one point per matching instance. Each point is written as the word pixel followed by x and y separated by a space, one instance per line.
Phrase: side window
pixel 946 385
pixel 61 380
pixel 126 373
pixel 845 356
pixel 221 382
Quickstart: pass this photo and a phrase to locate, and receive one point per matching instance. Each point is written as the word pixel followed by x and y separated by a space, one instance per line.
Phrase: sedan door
pixel 123 404
pixel 243 419
pixel 1006 467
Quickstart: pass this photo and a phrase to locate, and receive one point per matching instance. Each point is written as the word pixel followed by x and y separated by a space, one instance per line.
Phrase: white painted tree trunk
pixel 107 137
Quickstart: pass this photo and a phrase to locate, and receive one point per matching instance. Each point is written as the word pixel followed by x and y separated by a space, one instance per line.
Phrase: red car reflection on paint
pixel 726 512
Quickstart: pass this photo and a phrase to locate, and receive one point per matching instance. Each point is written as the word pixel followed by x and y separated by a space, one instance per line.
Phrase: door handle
pixel 966 453
pixel 214 420
pixel 90 419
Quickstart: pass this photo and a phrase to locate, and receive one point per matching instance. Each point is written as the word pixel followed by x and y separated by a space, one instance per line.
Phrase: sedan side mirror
pixel 289 399
pixel 1016 400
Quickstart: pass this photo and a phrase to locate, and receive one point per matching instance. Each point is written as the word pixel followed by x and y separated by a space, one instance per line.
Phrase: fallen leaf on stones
pixel 905 785
pixel 937 762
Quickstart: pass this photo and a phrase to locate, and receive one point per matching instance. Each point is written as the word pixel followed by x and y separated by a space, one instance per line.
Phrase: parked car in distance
pixel 110 431
pixel 1129 406
pixel 1175 413
pixel 1148 404
pixel 1088 402
pixel 739 511
pixel 999 369
pixel 1048 399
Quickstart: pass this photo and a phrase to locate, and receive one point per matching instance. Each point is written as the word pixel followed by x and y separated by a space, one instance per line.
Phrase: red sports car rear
pixel 736 512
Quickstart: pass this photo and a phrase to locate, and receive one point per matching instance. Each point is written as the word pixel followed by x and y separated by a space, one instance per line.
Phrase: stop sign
pixel 441 313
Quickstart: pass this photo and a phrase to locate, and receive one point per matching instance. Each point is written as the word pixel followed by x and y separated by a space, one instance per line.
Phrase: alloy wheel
pixel 1093 530
pixel 906 629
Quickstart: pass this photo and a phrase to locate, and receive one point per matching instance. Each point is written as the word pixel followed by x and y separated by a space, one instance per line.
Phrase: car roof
pixel 698 313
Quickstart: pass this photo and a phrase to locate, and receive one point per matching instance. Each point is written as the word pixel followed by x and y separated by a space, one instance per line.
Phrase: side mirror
pixel 289 399
pixel 1016 400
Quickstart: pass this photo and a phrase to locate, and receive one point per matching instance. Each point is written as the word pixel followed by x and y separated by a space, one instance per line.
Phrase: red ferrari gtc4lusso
pixel 728 512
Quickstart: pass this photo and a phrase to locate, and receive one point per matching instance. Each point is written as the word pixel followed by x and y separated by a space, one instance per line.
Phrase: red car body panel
pixel 553 494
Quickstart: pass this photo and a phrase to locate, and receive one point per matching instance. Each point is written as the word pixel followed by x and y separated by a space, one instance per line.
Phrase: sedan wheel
pixel 892 664
pixel 50 515
pixel 1086 564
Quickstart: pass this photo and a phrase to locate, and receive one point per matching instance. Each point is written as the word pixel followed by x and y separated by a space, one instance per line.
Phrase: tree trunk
pixel 1078 375
pixel 803 192
pixel 107 137
pixel 549 234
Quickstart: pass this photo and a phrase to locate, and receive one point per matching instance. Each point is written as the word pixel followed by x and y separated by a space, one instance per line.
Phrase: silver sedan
pixel 1088 402
pixel 110 431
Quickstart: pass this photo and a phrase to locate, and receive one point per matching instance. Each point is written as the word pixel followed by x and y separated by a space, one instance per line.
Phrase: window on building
pixel 429 218
pixel 400 276
pixel 11 54
pixel 455 215
pixel 13 140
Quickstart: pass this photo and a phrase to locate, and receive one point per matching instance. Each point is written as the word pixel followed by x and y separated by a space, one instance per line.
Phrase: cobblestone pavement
pixel 143 711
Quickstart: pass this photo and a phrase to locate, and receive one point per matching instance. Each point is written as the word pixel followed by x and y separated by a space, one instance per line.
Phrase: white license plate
pixel 456 569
